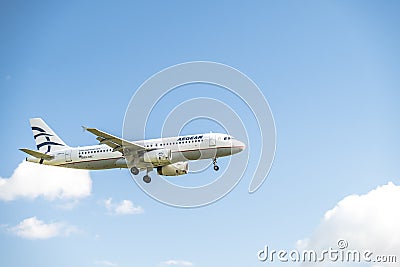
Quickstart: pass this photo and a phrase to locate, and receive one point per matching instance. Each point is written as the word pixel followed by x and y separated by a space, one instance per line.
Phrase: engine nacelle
pixel 158 156
pixel 175 169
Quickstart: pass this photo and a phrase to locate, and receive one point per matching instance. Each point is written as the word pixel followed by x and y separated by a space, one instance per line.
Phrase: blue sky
pixel 329 70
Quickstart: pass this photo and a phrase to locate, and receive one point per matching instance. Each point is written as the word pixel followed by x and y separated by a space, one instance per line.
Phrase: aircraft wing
pixel 37 154
pixel 116 143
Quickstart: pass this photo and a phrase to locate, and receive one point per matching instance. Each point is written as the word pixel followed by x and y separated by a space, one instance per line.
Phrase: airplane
pixel 169 156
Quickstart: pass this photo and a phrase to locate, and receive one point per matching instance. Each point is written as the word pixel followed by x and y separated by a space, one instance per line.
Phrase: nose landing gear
pixel 216 168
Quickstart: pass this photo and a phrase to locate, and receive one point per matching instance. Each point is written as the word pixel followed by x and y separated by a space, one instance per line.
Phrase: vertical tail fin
pixel 45 138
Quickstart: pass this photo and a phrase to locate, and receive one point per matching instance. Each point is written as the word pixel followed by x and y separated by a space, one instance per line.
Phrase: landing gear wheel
pixel 134 171
pixel 216 168
pixel 146 179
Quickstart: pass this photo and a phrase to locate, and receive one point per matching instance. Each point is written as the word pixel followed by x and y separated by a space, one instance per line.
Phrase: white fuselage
pixel 183 148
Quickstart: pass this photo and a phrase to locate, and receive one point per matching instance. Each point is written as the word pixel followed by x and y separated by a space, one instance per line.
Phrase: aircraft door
pixel 68 156
pixel 212 141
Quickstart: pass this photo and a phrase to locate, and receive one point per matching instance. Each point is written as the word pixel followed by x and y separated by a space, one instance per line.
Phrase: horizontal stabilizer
pixel 37 154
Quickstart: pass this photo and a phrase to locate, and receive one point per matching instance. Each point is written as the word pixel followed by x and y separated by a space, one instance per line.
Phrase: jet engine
pixel 158 156
pixel 175 169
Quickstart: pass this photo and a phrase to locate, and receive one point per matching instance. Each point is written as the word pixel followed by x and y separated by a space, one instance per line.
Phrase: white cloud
pixel 32 228
pixel 31 180
pixel 125 207
pixel 177 263
pixel 106 263
pixel 366 222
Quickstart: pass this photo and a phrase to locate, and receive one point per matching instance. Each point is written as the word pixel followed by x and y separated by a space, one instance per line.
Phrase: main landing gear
pixel 134 171
pixel 216 168
pixel 146 178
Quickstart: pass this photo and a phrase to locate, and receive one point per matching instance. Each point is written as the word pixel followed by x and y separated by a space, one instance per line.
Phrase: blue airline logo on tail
pixel 48 143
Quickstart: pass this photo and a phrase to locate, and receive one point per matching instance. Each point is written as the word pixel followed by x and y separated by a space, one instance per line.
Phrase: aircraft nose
pixel 242 146
pixel 239 145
